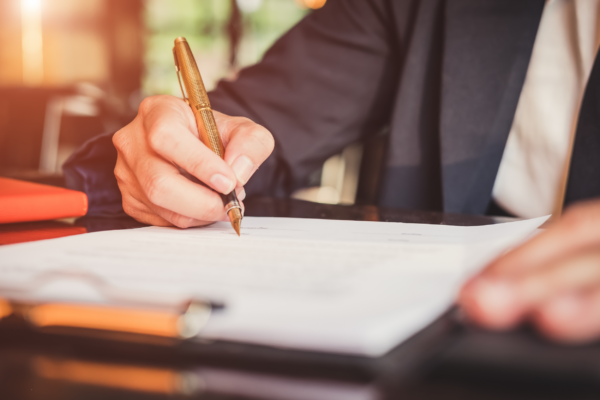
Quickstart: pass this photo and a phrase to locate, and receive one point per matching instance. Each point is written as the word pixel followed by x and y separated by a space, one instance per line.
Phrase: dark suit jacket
pixel 444 75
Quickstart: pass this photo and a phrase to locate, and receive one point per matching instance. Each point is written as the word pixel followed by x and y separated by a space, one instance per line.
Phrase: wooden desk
pixel 447 360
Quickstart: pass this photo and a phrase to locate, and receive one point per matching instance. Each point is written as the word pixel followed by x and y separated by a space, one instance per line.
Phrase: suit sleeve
pixel 90 170
pixel 326 83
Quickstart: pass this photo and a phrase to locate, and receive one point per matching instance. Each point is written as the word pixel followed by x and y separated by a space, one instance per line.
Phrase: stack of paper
pixel 331 286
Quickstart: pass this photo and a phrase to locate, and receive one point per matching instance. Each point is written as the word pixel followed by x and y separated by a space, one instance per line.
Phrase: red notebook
pixel 25 201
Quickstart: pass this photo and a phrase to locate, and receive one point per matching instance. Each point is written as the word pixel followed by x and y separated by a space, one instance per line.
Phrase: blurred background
pixel 73 69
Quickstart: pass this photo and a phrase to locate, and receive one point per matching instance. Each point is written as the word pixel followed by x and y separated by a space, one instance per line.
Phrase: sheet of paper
pixel 334 286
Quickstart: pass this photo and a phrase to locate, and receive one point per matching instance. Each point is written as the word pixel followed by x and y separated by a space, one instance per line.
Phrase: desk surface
pixel 448 360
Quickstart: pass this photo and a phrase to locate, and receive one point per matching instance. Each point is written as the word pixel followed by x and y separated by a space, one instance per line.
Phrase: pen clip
pixel 179 77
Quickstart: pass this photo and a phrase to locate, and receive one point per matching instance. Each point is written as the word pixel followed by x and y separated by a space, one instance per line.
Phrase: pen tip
pixel 235 216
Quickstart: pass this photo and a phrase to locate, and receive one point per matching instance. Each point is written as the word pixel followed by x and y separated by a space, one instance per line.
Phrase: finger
pixel 241 193
pixel 136 205
pixel 155 109
pixel 141 213
pixel 578 273
pixel 165 187
pixel 171 137
pixel 491 303
pixel 133 199
pixel 248 145
pixel 578 230
pixel 178 220
pixel 493 300
pixel 573 317
pixel 502 303
pixel 158 216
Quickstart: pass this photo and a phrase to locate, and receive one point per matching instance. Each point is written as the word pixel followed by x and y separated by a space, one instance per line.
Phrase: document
pixel 321 285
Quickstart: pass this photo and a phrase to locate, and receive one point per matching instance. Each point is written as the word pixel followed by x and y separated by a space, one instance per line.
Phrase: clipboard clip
pixel 113 321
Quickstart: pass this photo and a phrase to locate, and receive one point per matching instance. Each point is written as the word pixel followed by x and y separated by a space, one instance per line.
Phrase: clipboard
pixel 129 317
pixel 306 285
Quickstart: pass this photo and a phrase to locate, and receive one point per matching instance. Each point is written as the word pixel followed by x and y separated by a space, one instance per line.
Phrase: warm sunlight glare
pixel 32 42
pixel 314 4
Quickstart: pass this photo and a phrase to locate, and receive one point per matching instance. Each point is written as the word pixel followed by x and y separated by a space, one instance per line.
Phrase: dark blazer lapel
pixel 488 44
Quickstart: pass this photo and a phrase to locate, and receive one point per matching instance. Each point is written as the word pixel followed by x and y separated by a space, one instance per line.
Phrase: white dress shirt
pixel 531 173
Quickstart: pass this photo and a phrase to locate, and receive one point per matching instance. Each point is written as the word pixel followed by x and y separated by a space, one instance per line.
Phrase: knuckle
pixel 129 208
pixel 196 165
pixel 181 221
pixel 242 121
pixel 159 137
pixel 261 135
pixel 237 122
pixel 267 139
pixel 118 139
pixel 155 189
pixel 120 174
pixel 132 208
pixel 255 132
pixel 150 103
pixel 147 104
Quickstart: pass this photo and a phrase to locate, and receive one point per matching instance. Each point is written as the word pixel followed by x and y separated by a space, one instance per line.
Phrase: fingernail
pixel 222 183
pixel 497 301
pixel 564 307
pixel 243 168
pixel 241 194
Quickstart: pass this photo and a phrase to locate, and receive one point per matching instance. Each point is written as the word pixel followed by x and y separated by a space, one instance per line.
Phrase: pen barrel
pixel 230 201
pixel 197 97
pixel 207 128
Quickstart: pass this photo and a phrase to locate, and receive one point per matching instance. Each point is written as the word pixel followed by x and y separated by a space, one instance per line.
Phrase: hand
pixel 553 280
pixel 164 138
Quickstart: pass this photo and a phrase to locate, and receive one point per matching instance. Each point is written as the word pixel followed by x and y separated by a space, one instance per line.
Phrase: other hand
pixel 552 280
pixel 161 142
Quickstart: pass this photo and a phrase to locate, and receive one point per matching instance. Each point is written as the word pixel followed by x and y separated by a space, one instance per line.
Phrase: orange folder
pixel 25 201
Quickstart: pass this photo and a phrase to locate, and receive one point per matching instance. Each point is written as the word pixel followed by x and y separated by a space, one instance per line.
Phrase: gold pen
pixel 197 99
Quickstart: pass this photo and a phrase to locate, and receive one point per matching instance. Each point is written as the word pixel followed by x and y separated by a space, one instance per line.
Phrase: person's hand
pixel 161 142
pixel 552 280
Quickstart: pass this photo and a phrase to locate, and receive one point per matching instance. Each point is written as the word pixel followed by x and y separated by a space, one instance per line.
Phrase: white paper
pixel 333 286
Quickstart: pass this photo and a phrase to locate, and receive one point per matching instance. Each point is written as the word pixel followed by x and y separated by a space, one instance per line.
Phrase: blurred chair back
pixel 22 116
pixel 40 128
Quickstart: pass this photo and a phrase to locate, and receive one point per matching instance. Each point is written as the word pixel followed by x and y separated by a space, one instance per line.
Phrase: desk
pixel 447 360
